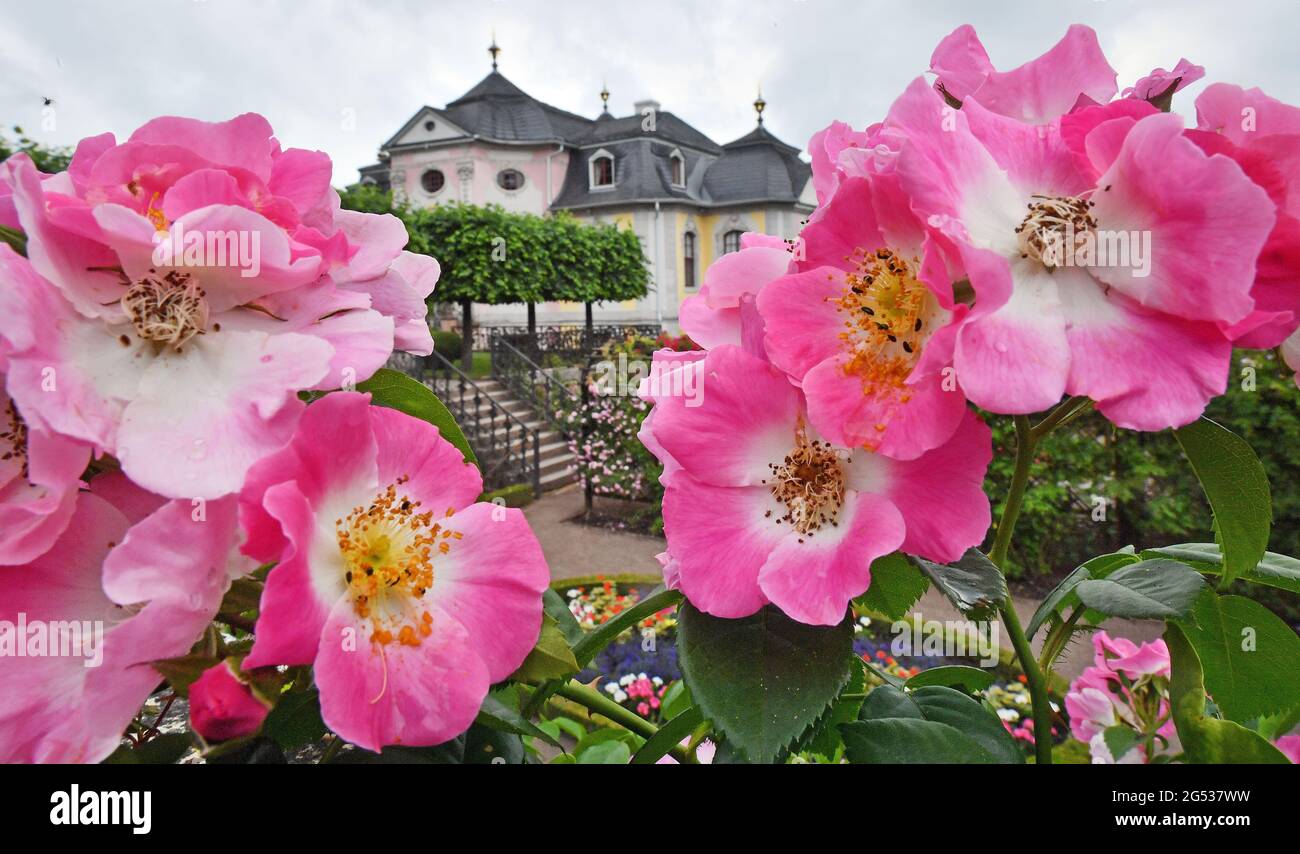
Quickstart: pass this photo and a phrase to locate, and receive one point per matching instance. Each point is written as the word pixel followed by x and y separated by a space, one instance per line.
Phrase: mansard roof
pixel 755 168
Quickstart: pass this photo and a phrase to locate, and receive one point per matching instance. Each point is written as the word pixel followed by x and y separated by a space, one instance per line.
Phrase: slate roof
pixel 757 168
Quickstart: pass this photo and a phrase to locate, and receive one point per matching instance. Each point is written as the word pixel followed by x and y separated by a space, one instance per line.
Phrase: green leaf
pixel 1274 570
pixel 500 715
pixel 553 603
pixel 245 594
pixel 952 676
pixel 973 583
pixel 396 390
pixel 939 704
pixel 165 749
pixel 1248 655
pixel 1120 740
pixel 1154 589
pixel 824 736
pixel 606 753
pixel 1064 596
pixel 910 741
pixel 15 239
pixel 486 745
pixel 1236 486
pixel 762 679
pixel 668 737
pixel 1207 740
pixel 183 671
pixel 551 658
pixel 676 700
pixel 896 584
pixel 295 720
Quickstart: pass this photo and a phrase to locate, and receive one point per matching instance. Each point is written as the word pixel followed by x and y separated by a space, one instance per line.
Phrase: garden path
pixel 574 550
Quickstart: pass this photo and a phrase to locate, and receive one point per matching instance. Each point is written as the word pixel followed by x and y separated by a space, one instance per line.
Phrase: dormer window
pixel 602 169
pixel 677 163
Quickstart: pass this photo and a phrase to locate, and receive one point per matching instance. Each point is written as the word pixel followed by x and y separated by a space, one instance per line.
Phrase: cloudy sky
pixel 313 65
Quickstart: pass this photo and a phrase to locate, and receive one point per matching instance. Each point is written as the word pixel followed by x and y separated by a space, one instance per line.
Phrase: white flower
pixel 620 697
pixel 611 688
pixel 1009 715
pixel 627 680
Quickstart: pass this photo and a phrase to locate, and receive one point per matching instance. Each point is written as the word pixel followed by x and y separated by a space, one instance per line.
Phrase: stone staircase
pixel 557 467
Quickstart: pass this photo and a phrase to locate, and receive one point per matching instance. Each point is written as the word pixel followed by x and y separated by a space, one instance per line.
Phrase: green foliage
pixel 48 158
pixel 448 344
pixel 896 584
pixel 515 495
pixel 1248 655
pixel 1152 495
pixel 490 255
pixel 398 391
pixel 931 724
pixel 1206 739
pixel 1154 589
pixel 1236 487
pixel 367 198
pixel 765 679
pixel 972 582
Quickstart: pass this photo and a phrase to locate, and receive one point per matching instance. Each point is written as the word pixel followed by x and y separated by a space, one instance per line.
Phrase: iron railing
pixel 535 385
pixel 508 450
pixel 570 341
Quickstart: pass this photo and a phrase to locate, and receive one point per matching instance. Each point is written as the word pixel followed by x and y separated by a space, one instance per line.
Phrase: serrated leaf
pixel 1245 682
pixel 1274 570
pixel 165 749
pixel 762 679
pixel 1063 596
pixel 551 658
pixel 1207 740
pixel 553 603
pixel 1236 486
pixel 396 390
pixel 1157 589
pixel 896 584
pixel 973 583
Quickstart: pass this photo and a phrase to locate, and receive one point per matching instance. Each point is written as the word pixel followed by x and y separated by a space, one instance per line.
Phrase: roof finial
pixel 760 105
pixel 494 50
pixel 604 95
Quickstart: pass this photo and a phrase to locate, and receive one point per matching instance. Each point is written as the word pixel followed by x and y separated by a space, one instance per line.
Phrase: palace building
pixel 687 198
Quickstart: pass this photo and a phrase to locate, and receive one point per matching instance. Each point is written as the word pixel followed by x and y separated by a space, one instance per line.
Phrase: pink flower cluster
pixel 1001 238
pixel 180 290
pixel 1127 686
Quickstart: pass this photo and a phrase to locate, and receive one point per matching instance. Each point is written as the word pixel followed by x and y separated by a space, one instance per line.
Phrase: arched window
pixel 602 169
pixel 678 164
pixel 510 179
pixel 432 180
pixel 731 241
pixel 688 256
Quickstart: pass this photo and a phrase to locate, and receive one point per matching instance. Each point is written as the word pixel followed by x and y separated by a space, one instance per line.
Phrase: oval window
pixel 432 180
pixel 510 179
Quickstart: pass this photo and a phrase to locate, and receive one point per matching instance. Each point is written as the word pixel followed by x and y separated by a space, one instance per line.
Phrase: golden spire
pixel 604 95
pixel 760 105
pixel 494 50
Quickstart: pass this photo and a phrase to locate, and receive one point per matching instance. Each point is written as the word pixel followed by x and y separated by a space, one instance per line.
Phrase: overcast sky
pixel 309 65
